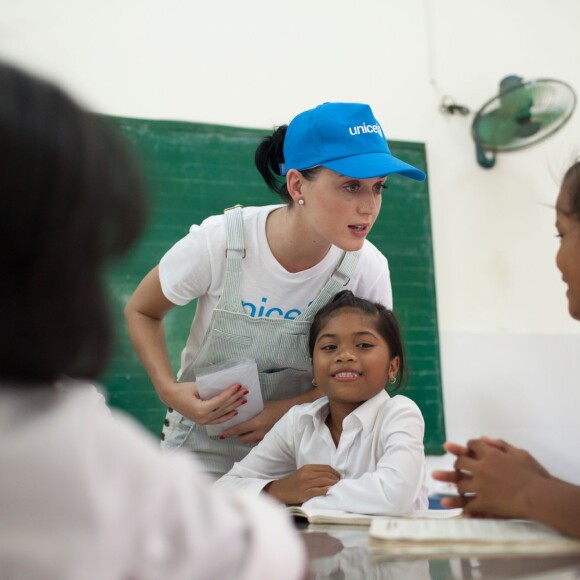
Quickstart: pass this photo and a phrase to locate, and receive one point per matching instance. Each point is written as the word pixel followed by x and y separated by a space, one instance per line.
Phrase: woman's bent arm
pixel 144 314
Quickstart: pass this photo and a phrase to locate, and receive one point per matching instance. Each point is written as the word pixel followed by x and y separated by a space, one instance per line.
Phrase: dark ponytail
pixel 269 156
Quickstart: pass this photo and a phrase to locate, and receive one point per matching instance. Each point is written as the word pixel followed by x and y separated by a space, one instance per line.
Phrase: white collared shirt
pixel 380 456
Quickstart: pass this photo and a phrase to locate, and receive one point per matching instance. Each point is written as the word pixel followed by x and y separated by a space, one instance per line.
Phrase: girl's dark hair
pixel 571 184
pixel 71 198
pixel 269 155
pixel 386 324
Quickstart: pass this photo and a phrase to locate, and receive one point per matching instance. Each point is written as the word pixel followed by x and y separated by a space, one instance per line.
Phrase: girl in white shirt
pixel 355 449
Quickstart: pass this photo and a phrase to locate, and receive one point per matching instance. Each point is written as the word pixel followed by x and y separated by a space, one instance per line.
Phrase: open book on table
pixel 339 517
pixel 419 536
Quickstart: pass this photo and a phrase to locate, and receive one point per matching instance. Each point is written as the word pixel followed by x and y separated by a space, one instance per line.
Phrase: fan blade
pixel 549 117
pixel 516 103
pixel 528 129
pixel 538 91
pixel 493 130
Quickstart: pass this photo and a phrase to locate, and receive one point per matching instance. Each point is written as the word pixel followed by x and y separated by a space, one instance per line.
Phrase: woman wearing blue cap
pixel 261 273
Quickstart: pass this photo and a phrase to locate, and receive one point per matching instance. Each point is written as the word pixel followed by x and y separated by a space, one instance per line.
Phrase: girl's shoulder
pixel 399 405
pixel 306 411
pixel 402 405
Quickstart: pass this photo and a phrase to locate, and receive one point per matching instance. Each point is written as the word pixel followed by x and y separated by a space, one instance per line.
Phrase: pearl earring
pixel 300 202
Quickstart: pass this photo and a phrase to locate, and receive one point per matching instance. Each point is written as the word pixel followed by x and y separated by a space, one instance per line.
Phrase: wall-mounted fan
pixel 523 113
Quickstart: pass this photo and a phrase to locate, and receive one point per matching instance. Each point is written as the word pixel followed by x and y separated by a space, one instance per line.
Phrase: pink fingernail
pixel 245 392
pixel 244 401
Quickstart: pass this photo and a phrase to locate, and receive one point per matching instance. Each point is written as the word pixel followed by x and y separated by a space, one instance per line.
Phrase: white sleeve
pixel 96 499
pixel 398 481
pixel 272 459
pixel 186 529
pixel 186 270
pixel 214 535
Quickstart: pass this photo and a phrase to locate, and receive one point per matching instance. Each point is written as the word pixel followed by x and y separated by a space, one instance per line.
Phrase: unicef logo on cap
pixel 364 128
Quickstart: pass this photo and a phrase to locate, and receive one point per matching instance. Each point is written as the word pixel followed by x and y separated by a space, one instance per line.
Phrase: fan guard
pixel 523 113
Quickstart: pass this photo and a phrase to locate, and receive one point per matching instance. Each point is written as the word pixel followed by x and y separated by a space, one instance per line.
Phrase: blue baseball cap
pixel 343 137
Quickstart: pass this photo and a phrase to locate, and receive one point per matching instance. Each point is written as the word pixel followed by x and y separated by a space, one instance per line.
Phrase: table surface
pixel 341 552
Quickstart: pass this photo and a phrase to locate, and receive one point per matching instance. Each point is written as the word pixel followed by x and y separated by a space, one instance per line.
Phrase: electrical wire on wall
pixel 447 105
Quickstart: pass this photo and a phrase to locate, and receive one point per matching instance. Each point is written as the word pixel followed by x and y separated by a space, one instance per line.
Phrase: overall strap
pixel 235 253
pixel 340 278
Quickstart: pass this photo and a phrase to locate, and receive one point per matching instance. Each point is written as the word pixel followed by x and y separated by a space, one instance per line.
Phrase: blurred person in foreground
pixel 85 493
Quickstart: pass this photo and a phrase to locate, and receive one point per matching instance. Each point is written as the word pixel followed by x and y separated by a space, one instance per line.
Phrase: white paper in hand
pixel 211 381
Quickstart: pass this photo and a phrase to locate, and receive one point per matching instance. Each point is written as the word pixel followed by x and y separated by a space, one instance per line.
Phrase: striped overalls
pixel 279 347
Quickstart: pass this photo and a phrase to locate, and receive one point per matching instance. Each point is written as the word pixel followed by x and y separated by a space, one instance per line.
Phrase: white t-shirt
pixel 87 495
pixel 380 456
pixel 194 268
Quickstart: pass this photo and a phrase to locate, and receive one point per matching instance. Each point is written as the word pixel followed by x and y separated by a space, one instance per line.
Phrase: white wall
pixel 509 350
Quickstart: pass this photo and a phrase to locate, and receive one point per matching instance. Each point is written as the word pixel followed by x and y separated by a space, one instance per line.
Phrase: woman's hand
pixel 184 398
pixel 307 482
pixel 254 429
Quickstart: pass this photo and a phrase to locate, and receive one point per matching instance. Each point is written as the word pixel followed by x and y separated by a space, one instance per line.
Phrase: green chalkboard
pixel 195 170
